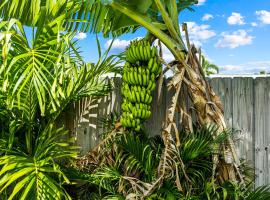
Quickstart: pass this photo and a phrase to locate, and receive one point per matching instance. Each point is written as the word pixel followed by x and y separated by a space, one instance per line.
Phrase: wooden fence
pixel 247 110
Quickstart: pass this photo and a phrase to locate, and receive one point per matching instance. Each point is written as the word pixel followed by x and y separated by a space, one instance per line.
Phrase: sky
pixel 233 34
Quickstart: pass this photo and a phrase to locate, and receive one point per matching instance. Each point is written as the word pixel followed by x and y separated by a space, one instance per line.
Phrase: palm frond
pixel 35 176
pixel 260 193
pixel 139 156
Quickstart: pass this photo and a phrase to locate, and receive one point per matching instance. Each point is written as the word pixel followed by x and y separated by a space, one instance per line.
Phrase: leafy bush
pixel 39 78
pixel 134 165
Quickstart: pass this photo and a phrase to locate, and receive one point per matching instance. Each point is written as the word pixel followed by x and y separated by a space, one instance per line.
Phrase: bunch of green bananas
pixel 139 75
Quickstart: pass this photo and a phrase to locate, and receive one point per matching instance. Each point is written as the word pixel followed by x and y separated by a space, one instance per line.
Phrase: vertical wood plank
pixel 153 126
pixel 243 117
pixel 262 130
pixel 109 104
pixel 226 96
pixel 223 88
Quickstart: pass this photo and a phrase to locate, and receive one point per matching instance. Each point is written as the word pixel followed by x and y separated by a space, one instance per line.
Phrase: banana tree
pixel 161 19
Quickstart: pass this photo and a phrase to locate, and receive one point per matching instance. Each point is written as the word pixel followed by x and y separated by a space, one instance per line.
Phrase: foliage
pixel 208 68
pixel 34 176
pixel 30 102
pixel 134 161
pixel 40 76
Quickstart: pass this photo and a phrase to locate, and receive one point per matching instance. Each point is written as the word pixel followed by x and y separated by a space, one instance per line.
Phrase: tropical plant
pixel 208 68
pixel 131 166
pixel 39 175
pixel 40 76
pixel 160 18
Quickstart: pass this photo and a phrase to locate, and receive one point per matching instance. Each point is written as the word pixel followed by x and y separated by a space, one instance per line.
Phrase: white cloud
pixel 207 17
pixel 231 68
pixel 235 39
pixel 118 44
pixel 80 36
pixel 199 33
pixel 236 19
pixel 263 16
pixel 201 2
pixel 254 24
pixel 246 68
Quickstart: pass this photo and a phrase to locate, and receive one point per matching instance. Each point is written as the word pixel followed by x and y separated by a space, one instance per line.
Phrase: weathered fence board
pixel 262 130
pixel 242 116
pixel 246 103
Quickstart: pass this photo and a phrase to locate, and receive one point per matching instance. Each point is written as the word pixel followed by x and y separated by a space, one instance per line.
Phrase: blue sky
pixel 234 34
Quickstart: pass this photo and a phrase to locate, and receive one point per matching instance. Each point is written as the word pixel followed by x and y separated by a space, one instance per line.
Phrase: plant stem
pixel 171 44
pixel 168 21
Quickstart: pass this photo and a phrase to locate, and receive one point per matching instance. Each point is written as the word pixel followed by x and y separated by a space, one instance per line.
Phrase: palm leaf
pixel 35 175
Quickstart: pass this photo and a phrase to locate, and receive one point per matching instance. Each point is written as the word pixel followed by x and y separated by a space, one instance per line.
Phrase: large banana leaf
pixel 95 16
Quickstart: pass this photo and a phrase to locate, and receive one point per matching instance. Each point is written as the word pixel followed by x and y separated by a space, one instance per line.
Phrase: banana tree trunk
pixel 209 110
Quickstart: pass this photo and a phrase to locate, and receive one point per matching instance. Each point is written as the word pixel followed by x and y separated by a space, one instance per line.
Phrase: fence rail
pixel 246 103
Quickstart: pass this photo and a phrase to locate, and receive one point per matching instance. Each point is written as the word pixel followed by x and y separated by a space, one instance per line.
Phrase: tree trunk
pixel 208 109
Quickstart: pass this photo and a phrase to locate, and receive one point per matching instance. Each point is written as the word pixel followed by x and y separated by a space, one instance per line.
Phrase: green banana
pixel 131 97
pixel 138 54
pixel 144 80
pixel 150 99
pixel 131 56
pixel 149 85
pixel 154 52
pixel 142 96
pixel 148 114
pixel 140 70
pixel 138 128
pixel 136 77
pixel 150 64
pixel 136 113
pixel 128 123
pixel 123 107
pixel 140 79
pixel 140 113
pixel 128 78
pixel 147 72
pixel 141 52
pixel 153 86
pixel 153 77
pixel 146 98
pixel 124 77
pixel 138 96
pixel 155 67
pixel 132 78
pixel 133 50
pixel 148 51
pixel 129 106
pixel 133 123
pixel 143 114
